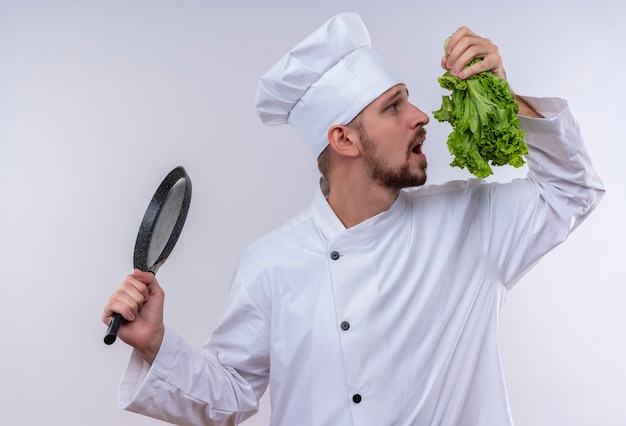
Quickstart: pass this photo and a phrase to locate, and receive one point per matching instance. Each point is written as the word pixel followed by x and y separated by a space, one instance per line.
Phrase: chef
pixel 378 304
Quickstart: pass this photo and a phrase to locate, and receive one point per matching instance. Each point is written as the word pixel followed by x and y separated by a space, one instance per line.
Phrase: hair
pixel 323 160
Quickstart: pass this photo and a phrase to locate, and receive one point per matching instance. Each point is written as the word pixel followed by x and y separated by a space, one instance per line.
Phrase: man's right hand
pixel 140 301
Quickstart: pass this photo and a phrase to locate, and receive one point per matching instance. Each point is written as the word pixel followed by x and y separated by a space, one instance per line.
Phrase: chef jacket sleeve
pixel 522 220
pixel 185 387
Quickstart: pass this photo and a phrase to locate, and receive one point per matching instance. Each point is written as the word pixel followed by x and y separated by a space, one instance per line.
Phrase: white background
pixel 99 100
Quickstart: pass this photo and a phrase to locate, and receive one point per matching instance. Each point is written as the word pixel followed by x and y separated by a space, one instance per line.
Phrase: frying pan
pixel 159 230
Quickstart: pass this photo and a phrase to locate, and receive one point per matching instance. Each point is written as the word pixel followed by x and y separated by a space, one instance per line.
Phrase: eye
pixel 393 107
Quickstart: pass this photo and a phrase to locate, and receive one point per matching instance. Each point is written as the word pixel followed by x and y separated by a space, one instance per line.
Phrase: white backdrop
pixel 99 100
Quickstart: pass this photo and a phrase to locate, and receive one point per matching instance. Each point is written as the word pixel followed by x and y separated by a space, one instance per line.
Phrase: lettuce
pixel 485 129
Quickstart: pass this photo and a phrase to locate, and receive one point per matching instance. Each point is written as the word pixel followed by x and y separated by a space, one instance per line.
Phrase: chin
pixel 417 183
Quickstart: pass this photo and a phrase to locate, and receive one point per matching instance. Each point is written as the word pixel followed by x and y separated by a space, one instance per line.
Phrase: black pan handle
pixel 114 325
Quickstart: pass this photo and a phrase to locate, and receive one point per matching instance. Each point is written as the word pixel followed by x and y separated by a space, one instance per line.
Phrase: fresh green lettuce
pixel 485 129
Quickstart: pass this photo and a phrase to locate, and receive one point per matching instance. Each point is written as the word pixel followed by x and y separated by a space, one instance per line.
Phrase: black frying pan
pixel 159 230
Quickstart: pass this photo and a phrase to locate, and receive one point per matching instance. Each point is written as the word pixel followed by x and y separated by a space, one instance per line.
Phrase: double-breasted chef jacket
pixel 391 322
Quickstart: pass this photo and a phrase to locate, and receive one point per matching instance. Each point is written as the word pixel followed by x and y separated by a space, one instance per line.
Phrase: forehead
pixel 385 99
pixel 389 96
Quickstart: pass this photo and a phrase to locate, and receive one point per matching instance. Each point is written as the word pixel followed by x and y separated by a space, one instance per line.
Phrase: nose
pixel 418 117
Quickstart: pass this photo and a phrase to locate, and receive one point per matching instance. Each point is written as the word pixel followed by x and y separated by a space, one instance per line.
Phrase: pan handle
pixel 114 325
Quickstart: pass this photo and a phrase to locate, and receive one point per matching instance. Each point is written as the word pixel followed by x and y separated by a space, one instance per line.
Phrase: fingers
pixel 130 296
pixel 463 47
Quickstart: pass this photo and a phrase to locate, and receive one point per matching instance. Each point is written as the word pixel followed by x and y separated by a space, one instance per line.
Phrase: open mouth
pixel 417 148
pixel 418 141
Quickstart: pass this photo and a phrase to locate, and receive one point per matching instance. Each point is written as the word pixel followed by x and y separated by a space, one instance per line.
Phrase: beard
pixel 388 176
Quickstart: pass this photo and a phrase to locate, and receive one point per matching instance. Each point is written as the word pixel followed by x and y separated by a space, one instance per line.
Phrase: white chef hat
pixel 326 79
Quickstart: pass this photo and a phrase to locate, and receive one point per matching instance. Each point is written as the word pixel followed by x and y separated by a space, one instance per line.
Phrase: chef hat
pixel 326 79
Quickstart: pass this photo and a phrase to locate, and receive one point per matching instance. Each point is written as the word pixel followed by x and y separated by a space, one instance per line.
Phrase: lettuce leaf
pixel 485 129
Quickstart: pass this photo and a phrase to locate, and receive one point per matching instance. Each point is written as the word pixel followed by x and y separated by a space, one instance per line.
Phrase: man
pixel 377 305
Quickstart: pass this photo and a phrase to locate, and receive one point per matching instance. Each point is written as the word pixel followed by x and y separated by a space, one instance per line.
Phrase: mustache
pixel 420 134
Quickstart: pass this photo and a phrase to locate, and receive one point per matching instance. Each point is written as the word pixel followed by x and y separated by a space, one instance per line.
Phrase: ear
pixel 342 139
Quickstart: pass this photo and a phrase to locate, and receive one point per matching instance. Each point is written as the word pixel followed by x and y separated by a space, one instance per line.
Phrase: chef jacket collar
pixel 332 228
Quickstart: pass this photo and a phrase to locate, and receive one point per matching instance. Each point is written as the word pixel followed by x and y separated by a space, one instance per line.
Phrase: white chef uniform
pixel 391 322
